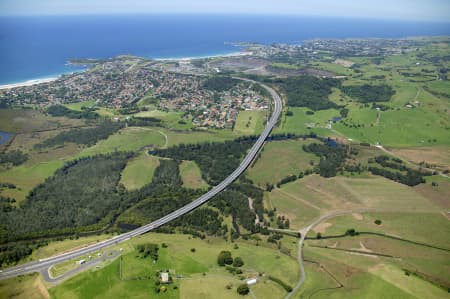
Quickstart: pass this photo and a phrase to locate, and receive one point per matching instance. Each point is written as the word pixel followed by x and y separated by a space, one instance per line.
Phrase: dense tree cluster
pixel 224 258
pixel 60 110
pixel 243 289
pixel 6 203
pixel 167 173
pixel 15 157
pixel 81 193
pixel 308 91
pixel 144 122
pixel 154 201
pixel 234 203
pixel 395 170
pixel 148 249
pixel 369 93
pixel 12 253
pixel 274 238
pixel 204 219
pixel 331 157
pixel 8 185
pixel 216 160
pixel 254 193
pixel 260 90
pixel 88 136
pixel 283 222
pixel 238 262
pixel 285 180
pixel 220 83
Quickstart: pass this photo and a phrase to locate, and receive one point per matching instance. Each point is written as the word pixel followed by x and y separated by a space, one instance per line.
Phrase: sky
pixel 418 10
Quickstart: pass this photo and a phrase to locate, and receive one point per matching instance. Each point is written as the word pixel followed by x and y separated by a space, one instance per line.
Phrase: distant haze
pixel 418 10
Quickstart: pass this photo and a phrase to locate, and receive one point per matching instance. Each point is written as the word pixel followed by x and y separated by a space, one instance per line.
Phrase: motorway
pixel 41 264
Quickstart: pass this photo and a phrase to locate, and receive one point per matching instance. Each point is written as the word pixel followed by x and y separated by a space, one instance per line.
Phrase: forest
pixel 60 110
pixel 203 219
pixel 85 196
pixel 216 160
pixel 369 93
pixel 167 173
pixel 332 158
pixel 235 204
pixel 220 83
pixel 81 193
pixel 87 136
pixel 307 91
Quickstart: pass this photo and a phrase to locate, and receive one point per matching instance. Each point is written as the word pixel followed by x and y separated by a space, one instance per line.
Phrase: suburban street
pixel 44 264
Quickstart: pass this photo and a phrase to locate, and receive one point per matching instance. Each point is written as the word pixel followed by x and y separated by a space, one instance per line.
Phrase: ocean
pixel 40 47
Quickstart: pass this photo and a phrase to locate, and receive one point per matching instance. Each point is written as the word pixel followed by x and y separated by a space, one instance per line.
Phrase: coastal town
pixel 125 81
pixel 180 85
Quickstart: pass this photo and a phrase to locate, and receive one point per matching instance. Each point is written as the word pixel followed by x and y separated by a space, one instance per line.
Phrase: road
pixel 88 264
pixel 38 266
pixel 304 231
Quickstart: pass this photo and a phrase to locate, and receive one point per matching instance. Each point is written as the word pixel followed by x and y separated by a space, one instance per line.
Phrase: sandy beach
pixel 180 59
pixel 28 83
pixel 203 57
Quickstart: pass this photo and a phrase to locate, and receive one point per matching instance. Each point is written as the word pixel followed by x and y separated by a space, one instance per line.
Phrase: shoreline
pixel 189 58
pixel 181 59
pixel 28 83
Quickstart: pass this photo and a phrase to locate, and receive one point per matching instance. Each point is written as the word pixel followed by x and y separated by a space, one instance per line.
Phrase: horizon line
pixel 87 14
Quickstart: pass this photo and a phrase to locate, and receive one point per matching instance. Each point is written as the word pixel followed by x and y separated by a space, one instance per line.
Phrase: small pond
pixel 4 137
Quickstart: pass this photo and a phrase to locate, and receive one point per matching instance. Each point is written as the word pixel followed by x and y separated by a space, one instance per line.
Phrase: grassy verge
pixel 191 175
pixel 139 171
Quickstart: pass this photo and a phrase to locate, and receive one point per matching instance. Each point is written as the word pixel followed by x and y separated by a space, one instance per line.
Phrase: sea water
pixel 40 47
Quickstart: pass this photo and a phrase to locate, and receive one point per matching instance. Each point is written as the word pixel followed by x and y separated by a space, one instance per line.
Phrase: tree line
pixel 14 157
pixel 60 110
pixel 395 170
pixel 87 136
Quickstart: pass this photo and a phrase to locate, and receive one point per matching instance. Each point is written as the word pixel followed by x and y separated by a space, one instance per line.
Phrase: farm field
pixel 79 105
pixel 250 122
pixel 305 199
pixel 280 159
pixel 128 139
pixel 28 120
pixel 419 227
pixel 357 282
pixel 435 155
pixel 299 212
pixel 364 268
pixel 26 177
pixel 298 123
pixel 139 171
pixel 395 128
pixel 191 175
pixel 171 119
pixel 175 137
pixel 179 258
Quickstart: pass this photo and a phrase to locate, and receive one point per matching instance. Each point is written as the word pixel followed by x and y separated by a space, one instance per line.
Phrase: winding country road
pixel 304 231
pixel 44 264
